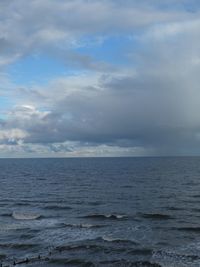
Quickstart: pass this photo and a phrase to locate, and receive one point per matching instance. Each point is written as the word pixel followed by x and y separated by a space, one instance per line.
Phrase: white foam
pixel 25 216
pixel 116 216
pixel 108 238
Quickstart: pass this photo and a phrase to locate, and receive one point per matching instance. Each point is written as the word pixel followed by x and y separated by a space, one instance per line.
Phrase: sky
pixel 87 78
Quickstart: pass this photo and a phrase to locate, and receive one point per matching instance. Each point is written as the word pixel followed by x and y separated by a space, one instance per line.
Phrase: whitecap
pixel 106 216
pixel 108 238
pixel 25 216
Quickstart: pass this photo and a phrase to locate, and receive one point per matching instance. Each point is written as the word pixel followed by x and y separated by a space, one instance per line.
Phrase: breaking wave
pixel 155 216
pixel 106 216
pixel 87 226
pixel 25 216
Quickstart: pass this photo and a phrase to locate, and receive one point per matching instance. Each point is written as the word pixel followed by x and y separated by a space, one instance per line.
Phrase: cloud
pixel 155 110
pixel 57 26
pixel 12 136
pixel 148 106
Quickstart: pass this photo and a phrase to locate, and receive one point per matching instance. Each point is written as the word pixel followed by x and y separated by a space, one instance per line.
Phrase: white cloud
pixel 12 136
pixel 52 26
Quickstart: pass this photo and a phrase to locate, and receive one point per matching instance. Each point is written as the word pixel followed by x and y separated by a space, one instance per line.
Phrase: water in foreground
pixel 100 212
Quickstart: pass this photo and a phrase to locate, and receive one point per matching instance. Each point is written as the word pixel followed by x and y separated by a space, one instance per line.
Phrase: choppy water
pixel 100 212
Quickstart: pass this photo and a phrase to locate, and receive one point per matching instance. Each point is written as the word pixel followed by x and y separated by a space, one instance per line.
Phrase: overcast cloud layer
pixel 143 101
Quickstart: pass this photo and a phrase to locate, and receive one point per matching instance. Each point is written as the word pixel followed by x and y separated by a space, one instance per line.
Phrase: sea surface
pixel 100 212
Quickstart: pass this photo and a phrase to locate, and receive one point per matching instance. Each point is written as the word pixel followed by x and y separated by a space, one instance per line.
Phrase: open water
pixel 100 212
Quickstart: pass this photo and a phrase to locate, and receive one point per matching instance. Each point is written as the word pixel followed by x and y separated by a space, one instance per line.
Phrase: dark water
pixel 100 212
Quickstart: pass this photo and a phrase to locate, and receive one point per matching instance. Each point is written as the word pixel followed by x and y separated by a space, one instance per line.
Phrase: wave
pixel 6 214
pixel 172 208
pixel 94 203
pixel 19 246
pixel 195 196
pixel 117 240
pixel 3 257
pixel 87 226
pixel 21 204
pixel 187 229
pixel 196 210
pixel 72 262
pixel 55 260
pixel 171 254
pixel 78 247
pixel 82 262
pixel 23 246
pixel 130 263
pixel 57 207
pixel 141 251
pixel 6 227
pixel 25 216
pixel 105 216
pixel 155 216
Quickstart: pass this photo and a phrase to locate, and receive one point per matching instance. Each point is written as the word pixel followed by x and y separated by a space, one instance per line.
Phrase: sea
pixel 140 212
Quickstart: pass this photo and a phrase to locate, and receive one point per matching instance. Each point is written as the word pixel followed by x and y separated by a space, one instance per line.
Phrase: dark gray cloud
pixel 156 109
